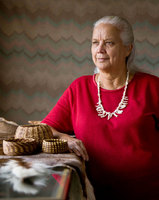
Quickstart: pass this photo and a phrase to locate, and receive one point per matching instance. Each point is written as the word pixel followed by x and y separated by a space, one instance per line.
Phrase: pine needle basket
pixel 15 147
pixel 54 146
pixel 35 131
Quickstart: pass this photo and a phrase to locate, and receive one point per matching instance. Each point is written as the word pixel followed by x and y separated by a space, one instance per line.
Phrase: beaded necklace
pixel 119 110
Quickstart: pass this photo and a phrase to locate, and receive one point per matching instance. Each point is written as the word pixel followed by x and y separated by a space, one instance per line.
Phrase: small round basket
pixel 54 146
pixel 16 147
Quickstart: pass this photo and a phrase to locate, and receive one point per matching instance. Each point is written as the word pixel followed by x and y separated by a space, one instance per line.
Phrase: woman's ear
pixel 129 49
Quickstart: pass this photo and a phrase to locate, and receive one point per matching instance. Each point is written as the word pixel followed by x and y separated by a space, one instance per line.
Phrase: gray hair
pixel 126 35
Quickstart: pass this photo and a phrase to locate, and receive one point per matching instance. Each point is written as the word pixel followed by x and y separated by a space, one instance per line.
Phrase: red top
pixel 122 148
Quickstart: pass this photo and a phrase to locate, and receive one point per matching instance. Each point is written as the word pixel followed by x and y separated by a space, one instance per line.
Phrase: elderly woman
pixel 114 115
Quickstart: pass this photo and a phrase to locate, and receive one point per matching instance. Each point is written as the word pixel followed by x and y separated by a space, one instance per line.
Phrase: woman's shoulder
pixel 146 82
pixel 82 80
pixel 147 77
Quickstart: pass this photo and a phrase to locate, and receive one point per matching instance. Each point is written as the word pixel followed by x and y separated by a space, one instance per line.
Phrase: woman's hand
pixel 75 146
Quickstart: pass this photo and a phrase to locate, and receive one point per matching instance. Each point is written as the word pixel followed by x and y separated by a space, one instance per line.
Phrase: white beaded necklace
pixel 119 110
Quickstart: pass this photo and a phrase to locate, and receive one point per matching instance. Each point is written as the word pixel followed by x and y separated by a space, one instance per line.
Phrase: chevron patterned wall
pixel 45 45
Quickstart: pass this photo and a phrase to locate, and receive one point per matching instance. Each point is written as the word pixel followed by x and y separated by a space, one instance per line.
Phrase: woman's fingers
pixel 78 148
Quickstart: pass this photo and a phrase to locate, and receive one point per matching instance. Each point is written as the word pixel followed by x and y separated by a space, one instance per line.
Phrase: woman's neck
pixel 112 81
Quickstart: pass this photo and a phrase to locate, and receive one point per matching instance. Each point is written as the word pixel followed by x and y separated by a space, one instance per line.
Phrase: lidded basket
pixel 39 132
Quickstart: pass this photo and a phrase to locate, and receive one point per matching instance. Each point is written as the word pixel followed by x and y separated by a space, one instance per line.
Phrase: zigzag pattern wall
pixel 45 45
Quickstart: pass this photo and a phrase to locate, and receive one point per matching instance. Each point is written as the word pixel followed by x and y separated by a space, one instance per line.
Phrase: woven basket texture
pixel 7 129
pixel 14 147
pixel 37 132
pixel 54 146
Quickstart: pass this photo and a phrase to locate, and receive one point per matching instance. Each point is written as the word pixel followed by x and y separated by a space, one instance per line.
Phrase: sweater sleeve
pixel 60 116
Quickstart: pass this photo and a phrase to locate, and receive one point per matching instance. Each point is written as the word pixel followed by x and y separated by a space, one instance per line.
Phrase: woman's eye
pixel 106 43
pixel 95 42
pixel 109 44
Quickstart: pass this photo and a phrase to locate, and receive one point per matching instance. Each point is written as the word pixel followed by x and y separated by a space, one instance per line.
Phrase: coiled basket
pixel 54 146
pixel 15 147
pixel 38 132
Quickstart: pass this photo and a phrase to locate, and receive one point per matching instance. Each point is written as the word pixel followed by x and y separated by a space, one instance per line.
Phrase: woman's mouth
pixel 102 59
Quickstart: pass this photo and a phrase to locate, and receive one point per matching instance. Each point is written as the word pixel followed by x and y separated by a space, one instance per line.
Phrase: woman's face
pixel 108 51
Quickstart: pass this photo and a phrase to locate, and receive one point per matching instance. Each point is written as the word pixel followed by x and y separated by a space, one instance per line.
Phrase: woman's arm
pixel 74 144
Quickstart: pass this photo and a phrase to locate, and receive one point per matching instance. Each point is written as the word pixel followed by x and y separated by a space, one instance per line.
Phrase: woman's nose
pixel 101 48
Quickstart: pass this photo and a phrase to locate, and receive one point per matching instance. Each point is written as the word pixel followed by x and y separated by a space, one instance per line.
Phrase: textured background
pixel 45 45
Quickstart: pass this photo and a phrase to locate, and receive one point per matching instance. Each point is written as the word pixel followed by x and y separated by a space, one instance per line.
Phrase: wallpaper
pixel 45 45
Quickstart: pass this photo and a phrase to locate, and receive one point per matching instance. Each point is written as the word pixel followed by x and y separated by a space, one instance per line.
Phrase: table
pixel 64 183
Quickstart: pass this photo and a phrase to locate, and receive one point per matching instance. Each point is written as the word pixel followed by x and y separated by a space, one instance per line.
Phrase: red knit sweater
pixel 123 151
